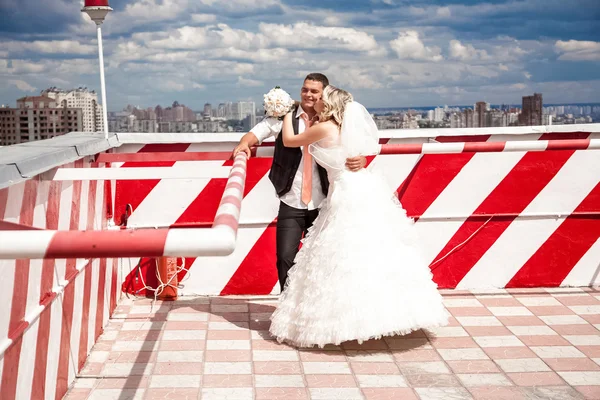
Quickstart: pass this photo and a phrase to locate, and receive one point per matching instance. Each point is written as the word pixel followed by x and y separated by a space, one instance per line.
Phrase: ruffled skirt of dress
pixel 359 274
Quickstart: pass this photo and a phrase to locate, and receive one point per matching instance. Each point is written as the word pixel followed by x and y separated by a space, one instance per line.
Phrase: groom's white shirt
pixel 270 127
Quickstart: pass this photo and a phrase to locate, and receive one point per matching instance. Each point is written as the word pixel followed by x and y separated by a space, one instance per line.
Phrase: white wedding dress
pixel 359 274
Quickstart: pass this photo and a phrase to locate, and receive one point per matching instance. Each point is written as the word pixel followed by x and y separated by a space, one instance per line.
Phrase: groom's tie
pixel 307 167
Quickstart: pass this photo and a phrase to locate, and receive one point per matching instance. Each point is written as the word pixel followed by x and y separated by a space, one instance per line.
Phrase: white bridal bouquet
pixel 277 103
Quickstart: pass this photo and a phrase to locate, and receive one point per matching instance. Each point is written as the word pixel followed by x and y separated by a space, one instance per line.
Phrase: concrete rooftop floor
pixel 500 344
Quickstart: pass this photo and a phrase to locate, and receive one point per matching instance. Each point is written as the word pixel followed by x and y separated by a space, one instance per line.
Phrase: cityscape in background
pixel 56 112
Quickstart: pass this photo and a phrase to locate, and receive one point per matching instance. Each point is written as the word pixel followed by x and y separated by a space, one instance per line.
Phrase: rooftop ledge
pixel 23 161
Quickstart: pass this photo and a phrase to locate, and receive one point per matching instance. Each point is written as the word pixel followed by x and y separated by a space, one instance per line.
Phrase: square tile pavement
pixel 501 344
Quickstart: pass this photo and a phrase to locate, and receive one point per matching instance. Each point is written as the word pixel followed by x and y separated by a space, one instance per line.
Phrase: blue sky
pixel 386 52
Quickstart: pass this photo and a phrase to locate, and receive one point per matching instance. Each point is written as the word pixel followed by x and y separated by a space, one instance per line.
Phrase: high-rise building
pixel 208 110
pixel 480 110
pixel 245 108
pixel 532 111
pixel 81 98
pixel 37 118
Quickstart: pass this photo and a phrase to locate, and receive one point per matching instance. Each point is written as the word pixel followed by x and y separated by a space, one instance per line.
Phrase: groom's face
pixel 310 93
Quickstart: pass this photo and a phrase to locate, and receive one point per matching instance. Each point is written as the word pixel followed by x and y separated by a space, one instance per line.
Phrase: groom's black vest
pixel 286 161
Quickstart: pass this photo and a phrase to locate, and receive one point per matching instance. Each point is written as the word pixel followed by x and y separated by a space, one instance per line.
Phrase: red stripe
pixel 483 147
pixel 553 261
pixel 143 156
pixel 62 378
pixel 257 274
pixel 432 174
pixel 235 200
pixel 19 301
pixel 113 286
pixel 3 202
pixel 86 244
pixel 568 143
pixel 87 283
pixel 512 195
pixel 405 148
pixel 46 295
pixel 227 220
pixel 134 192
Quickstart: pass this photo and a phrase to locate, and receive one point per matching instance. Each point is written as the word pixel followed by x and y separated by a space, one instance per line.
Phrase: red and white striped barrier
pixel 194 242
pixel 490 147
pixel 266 150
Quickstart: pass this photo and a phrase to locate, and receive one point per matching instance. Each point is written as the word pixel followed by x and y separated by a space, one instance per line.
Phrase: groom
pixel 301 184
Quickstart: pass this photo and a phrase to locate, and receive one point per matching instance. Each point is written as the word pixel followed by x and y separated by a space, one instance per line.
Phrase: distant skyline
pixel 388 53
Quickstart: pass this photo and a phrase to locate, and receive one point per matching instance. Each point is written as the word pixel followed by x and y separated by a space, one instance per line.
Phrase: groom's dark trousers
pixel 292 224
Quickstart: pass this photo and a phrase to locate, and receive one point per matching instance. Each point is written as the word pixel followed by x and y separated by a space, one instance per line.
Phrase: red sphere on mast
pixel 96 3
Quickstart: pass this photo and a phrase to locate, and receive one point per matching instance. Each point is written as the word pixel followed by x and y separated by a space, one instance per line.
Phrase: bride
pixel 359 274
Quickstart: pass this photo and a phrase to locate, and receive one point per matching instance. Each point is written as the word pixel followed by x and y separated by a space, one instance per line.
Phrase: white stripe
pixel 24 244
pixel 443 148
pixel 54 335
pixel 585 272
pixel 197 241
pixel 27 361
pixel 140 173
pixel 524 237
pixel 526 145
pixel 267 151
pixel 462 196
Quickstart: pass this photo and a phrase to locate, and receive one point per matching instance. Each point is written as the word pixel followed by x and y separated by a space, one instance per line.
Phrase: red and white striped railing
pixel 266 150
pixel 219 240
pixel 490 147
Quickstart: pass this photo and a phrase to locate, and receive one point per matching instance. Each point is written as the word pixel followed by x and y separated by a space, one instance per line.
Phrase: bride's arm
pixel 311 135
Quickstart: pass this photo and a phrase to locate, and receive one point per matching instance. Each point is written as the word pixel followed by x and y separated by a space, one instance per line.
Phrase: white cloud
pixel 49 47
pixel 518 86
pixel 458 51
pixel 408 46
pixel 203 18
pixel 444 12
pixel 353 77
pixel 248 82
pixel 303 35
pixel 239 6
pixel 576 50
pixel 169 86
pixel 22 85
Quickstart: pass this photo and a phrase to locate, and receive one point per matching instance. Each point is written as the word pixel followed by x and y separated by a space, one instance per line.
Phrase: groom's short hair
pixel 315 76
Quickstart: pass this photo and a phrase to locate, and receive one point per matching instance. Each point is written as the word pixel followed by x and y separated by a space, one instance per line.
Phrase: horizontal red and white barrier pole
pixel 194 242
pixel 490 147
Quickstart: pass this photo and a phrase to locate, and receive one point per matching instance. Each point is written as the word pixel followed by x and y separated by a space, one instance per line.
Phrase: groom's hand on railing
pixel 242 148
pixel 246 142
pixel 356 163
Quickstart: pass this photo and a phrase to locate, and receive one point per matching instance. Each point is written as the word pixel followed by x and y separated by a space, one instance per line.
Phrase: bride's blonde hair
pixel 334 104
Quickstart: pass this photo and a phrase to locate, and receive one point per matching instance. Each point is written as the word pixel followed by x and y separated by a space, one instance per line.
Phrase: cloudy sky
pixel 388 53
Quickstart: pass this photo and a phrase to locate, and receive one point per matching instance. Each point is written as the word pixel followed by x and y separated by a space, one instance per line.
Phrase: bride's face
pixel 319 107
